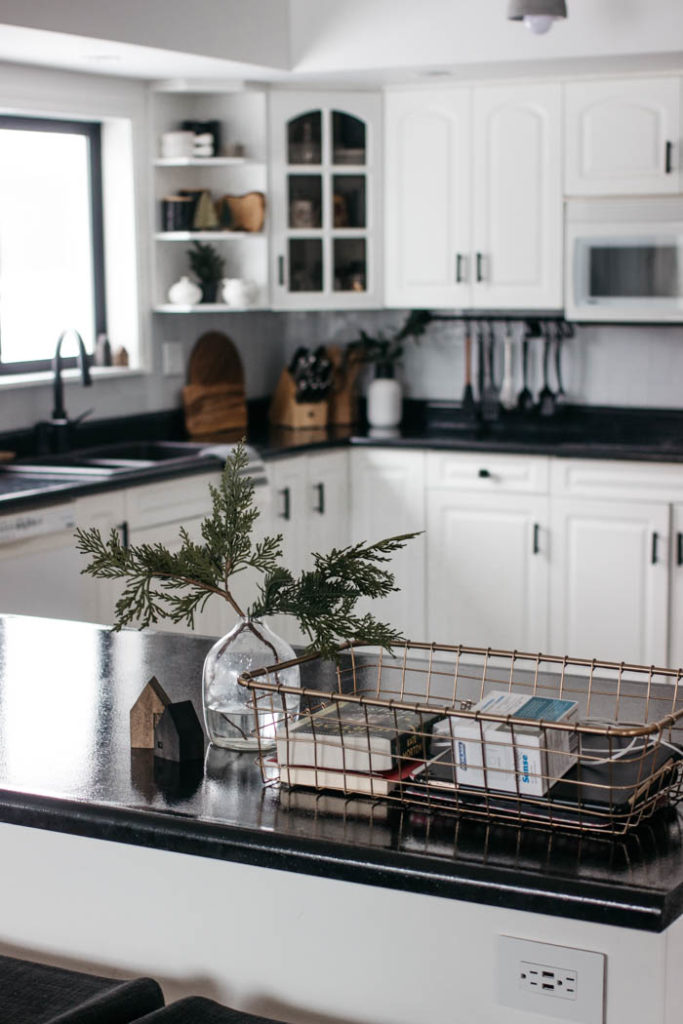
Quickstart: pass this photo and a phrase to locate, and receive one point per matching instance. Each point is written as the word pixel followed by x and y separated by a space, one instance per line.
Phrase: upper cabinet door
pixel 622 137
pixel 517 197
pixel 324 216
pixel 427 198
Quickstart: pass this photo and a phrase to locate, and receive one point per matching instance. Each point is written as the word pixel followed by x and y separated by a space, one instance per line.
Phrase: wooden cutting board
pixel 214 399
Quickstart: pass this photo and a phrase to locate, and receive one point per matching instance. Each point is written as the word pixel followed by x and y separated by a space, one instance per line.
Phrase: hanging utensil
pixel 525 400
pixel 561 331
pixel 508 398
pixel 490 407
pixel 481 361
pixel 468 395
pixel 546 398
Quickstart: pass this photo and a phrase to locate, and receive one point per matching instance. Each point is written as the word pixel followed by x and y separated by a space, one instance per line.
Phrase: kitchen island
pixel 331 911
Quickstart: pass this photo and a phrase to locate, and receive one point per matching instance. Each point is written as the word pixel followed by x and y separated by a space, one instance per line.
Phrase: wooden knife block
pixel 286 412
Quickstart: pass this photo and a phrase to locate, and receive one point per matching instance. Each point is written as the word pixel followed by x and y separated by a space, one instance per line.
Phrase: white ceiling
pixel 337 40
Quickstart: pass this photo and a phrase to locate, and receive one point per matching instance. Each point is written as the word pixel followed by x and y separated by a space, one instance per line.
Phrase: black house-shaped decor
pixel 178 735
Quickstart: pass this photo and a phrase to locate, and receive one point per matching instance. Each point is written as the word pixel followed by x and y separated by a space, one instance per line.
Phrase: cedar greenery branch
pixel 161 584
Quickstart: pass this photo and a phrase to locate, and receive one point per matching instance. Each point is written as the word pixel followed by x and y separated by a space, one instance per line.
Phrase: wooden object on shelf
pixel 145 713
pixel 242 213
pixel 286 412
pixel 6 456
pixel 214 399
pixel 343 398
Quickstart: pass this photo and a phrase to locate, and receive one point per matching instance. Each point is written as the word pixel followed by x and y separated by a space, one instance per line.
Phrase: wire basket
pixel 568 743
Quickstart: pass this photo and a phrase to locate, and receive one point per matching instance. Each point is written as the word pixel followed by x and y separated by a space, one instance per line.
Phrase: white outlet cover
pixel 172 359
pixel 589 1005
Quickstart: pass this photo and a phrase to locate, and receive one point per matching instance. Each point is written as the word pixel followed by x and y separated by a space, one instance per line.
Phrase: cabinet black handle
pixel 123 530
pixel 668 157
pixel 480 267
pixel 458 268
pixel 679 549
pixel 286 505
pixel 655 545
pixel 484 474
pixel 320 507
pixel 537 538
pixel 281 270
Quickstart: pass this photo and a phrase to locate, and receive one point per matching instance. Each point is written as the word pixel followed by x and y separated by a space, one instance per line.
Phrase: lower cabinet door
pixel 487 570
pixel 217 617
pixel 676 617
pixel 610 580
pixel 388 499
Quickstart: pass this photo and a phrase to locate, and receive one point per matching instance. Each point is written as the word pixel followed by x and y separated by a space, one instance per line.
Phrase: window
pixel 51 239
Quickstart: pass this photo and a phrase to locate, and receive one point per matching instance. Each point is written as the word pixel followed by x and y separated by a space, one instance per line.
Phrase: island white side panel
pixel 296 947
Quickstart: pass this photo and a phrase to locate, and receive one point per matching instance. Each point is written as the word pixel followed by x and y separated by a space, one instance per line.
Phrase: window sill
pixel 11 381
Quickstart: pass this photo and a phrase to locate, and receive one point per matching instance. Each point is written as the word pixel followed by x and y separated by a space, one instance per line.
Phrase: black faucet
pixel 54 435
pixel 59 412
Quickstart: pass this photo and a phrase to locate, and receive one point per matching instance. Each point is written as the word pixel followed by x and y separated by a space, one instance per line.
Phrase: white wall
pixel 256 32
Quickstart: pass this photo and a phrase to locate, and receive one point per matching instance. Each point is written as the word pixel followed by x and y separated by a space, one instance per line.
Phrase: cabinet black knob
pixel 484 474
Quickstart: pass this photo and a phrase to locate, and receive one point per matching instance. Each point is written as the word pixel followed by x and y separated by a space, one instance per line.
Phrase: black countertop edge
pixel 639 908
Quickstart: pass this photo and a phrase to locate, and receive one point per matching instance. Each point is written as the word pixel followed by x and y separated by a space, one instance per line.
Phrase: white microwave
pixel 624 260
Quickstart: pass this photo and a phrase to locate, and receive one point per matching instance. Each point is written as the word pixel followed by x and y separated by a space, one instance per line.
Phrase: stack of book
pixel 354 747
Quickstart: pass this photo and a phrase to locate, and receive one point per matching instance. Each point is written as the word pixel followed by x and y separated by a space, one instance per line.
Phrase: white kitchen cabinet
pixel 622 136
pixel 474 197
pixel 388 499
pixel 676 609
pixel 610 580
pixel 310 508
pixel 487 551
pixel 325 151
pixel 517 197
pixel 427 198
pixel 105 511
pixel 238 169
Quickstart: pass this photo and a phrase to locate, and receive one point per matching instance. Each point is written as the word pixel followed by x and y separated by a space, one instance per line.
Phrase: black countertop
pixel 66 690
pixel 643 435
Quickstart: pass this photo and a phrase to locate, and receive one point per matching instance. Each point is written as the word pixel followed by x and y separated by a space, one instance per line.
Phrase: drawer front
pixel 488 472
pixel 620 480
pixel 182 498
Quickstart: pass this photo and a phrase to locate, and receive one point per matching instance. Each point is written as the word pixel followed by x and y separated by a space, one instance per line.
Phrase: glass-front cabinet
pixel 325 231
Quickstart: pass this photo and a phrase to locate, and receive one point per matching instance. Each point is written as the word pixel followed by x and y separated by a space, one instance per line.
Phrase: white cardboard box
pixel 526 756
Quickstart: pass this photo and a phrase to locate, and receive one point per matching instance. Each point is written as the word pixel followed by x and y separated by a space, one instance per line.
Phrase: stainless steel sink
pixel 108 459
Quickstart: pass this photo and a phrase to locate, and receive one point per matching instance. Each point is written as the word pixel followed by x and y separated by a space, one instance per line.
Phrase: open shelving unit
pixel 242 117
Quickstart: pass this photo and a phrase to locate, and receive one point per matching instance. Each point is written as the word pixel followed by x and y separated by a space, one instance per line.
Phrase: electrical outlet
pixel 553 981
pixel 172 361
pixel 559 982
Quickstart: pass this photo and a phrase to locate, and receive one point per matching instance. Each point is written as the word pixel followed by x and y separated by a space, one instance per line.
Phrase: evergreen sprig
pixel 161 584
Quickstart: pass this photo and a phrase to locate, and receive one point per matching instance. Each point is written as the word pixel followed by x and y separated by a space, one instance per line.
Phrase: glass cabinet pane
pixel 305 200
pixel 305 265
pixel 350 265
pixel 348 139
pixel 304 138
pixel 348 200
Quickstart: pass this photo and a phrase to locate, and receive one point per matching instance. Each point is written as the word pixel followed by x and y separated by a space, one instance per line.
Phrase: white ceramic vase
pixel 384 399
pixel 184 293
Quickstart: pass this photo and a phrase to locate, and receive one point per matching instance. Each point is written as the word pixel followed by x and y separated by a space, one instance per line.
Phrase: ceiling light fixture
pixel 537 15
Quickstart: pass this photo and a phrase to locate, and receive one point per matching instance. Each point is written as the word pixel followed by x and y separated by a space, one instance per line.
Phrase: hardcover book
pixel 376 784
pixel 351 737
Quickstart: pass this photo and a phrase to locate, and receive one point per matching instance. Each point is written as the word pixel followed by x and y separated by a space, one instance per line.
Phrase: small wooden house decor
pixel 178 735
pixel 145 713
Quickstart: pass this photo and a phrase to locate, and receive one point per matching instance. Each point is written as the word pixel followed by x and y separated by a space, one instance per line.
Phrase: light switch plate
pixel 557 981
pixel 172 360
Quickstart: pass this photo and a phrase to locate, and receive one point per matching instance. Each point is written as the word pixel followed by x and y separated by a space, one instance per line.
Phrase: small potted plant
pixel 385 394
pixel 208 266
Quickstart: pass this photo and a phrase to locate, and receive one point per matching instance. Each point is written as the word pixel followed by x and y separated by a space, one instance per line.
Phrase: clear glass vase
pixel 239 717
